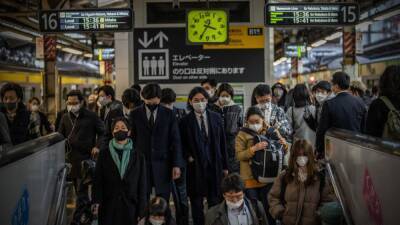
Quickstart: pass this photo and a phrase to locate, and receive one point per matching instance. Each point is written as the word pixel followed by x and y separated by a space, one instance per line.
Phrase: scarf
pixel 126 150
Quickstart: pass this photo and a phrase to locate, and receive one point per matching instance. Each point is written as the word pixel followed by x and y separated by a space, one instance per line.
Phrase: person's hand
pixel 95 209
pixel 225 172
pixel 282 141
pixel 95 152
pixel 176 173
pixel 259 146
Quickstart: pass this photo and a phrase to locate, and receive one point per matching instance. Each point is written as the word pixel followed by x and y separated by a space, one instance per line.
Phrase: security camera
pixel 175 4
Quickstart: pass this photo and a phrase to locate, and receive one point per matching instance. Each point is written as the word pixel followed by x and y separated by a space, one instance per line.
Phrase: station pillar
pixel 349 52
pixel 123 43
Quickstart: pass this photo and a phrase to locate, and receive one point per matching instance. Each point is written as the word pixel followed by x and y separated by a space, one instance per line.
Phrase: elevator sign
pixel 93 20
pixel 318 14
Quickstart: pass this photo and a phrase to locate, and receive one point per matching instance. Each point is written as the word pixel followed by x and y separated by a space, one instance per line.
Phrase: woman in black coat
pixel 120 194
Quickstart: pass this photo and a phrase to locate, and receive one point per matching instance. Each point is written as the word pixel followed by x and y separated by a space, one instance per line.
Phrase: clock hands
pixel 206 26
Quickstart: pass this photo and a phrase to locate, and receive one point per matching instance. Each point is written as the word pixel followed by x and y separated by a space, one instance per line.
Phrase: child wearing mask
pixel 158 213
pixel 299 191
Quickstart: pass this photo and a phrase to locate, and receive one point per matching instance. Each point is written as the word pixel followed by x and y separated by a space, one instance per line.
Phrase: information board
pixel 161 55
pixel 309 14
pixel 93 20
pixel 295 50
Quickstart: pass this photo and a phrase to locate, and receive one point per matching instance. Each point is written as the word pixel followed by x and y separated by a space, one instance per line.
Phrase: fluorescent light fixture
pixel 86 41
pixel 33 19
pixel 309 48
pixel 364 25
pixel 334 36
pixel 279 61
pixel 17 36
pixel 100 43
pixel 63 42
pixel 75 35
pixel 58 47
pixel 88 55
pixel 72 51
pixel 318 43
pixel 388 15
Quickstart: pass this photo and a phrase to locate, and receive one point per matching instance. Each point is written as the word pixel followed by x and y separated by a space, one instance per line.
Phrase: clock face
pixel 207 26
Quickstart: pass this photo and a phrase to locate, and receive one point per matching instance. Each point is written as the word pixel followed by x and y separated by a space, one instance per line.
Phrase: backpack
pixel 321 176
pixel 392 125
pixel 266 165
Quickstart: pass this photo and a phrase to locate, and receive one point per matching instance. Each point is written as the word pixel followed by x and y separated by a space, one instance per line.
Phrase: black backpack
pixel 266 165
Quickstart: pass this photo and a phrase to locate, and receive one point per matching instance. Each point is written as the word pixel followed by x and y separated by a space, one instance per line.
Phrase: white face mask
pixel 256 127
pixel 210 93
pixel 156 222
pixel 200 107
pixel 321 97
pixel 34 108
pixel 302 160
pixel 104 101
pixel 73 108
pixel 264 106
pixel 234 205
pixel 225 100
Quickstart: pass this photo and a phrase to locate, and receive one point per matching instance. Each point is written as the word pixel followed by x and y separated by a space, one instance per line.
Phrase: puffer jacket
pixel 243 143
pixel 302 202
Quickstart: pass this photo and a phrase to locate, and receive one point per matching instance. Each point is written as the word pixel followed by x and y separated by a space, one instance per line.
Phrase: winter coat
pixel 108 113
pixel 5 138
pixel 218 214
pixel 302 202
pixel 122 201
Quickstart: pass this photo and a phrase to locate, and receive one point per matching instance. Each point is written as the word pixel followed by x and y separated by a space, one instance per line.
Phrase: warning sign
pixel 242 37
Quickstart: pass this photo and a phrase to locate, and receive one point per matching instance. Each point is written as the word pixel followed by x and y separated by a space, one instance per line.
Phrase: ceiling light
pixel 334 36
pixel 58 47
pixel 309 48
pixel 318 43
pixel 388 15
pixel 13 35
pixel 33 19
pixel 75 35
pixel 279 61
pixel 364 25
pixel 88 55
pixel 63 42
pixel 72 51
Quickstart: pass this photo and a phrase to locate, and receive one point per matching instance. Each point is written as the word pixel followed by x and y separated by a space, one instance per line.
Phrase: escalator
pixel 365 174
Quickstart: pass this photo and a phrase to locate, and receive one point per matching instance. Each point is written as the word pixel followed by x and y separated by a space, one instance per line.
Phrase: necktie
pixel 151 119
pixel 203 128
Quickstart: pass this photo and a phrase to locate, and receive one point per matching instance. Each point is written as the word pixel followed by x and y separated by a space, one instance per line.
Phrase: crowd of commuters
pixel 147 149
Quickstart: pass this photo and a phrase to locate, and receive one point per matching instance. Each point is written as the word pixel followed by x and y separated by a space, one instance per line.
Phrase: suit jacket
pixel 108 114
pixel 192 144
pixel 344 111
pixel 161 145
pixel 122 201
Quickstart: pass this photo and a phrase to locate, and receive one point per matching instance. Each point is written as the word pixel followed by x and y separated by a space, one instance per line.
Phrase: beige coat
pixel 301 202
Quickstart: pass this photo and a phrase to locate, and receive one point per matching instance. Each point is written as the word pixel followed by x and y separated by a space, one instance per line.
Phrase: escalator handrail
pixel 62 177
pixel 339 195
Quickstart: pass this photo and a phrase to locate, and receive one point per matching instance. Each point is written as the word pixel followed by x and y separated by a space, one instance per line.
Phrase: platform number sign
pixel 49 21
pixel 311 14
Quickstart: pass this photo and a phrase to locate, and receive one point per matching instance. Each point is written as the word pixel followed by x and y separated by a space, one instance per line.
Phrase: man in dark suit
pixel 203 141
pixel 343 111
pixel 155 133
pixel 110 108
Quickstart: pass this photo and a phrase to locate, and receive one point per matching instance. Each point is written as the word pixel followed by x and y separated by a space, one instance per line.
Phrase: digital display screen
pixel 86 20
pixel 295 50
pixel 327 14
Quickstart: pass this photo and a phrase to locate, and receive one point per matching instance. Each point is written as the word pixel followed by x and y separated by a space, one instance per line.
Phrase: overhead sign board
pixel 295 50
pixel 242 37
pixel 162 55
pixel 90 20
pixel 104 53
pixel 311 14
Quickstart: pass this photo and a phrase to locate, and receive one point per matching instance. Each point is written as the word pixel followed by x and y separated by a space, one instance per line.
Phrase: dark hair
pixel 341 79
pixel 282 100
pixel 118 119
pixel 168 96
pixel 131 95
pixel 34 99
pixel 357 87
pixel 389 83
pixel 195 91
pixel 12 87
pixel 232 182
pixel 324 85
pixel 226 87
pixel 260 90
pixel 301 95
pixel 212 82
pixel 136 87
pixel 159 207
pixel 96 90
pixel 253 110
pixel 375 90
pixel 108 90
pixel 76 93
pixel 152 90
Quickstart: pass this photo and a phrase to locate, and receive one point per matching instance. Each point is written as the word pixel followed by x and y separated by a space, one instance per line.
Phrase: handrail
pixel 14 153
pixel 62 175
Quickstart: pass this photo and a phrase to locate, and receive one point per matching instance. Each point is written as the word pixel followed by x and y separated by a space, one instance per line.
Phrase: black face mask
pixel 10 106
pixel 152 107
pixel 121 135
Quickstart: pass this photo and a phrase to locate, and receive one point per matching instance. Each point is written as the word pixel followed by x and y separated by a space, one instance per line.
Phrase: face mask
pixel 234 205
pixel 302 161
pixel 199 107
pixel 255 127
pixel 104 101
pixel 321 97
pixel 73 108
pixel 264 106
pixel 210 93
pixel 225 100
pixel 152 107
pixel 156 222
pixel 120 135
pixel 34 108
pixel 278 92
pixel 10 106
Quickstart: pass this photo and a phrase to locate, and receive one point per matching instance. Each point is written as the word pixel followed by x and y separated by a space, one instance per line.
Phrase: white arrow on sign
pixel 160 37
pixel 145 43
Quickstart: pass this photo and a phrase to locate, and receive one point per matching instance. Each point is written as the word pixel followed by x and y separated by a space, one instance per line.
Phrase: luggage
pixel 392 125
